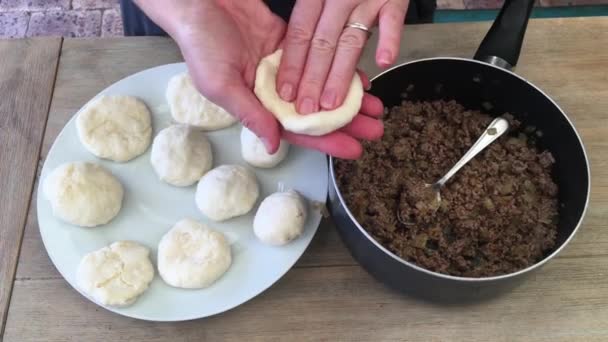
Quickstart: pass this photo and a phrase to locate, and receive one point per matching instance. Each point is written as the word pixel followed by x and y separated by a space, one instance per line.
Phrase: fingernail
pixel 328 99
pixel 286 92
pixel 384 57
pixel 307 106
pixel 266 144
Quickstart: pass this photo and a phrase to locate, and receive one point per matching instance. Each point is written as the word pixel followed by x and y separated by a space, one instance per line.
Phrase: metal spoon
pixel 496 128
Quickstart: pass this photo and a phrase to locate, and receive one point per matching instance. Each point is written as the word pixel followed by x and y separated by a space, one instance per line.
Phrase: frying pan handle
pixel 502 44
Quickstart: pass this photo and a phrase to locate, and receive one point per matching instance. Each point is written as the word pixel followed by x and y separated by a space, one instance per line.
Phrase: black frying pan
pixel 473 83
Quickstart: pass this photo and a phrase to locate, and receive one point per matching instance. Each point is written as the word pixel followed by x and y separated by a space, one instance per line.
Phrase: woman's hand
pixel 320 54
pixel 222 42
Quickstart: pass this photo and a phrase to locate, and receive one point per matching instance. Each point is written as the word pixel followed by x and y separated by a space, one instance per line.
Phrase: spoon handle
pixel 496 128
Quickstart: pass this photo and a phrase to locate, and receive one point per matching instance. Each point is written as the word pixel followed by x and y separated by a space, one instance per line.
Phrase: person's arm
pixel 167 14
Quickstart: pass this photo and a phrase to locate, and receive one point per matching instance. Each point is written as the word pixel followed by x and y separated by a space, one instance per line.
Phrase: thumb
pixel 240 101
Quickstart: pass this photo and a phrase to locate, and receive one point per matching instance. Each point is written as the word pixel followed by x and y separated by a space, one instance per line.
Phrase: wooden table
pixel 326 296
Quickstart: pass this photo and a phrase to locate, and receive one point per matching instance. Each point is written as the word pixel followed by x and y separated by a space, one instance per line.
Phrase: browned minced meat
pixel 497 215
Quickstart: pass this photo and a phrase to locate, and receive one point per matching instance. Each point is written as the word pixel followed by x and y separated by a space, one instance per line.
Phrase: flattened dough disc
pixel 319 123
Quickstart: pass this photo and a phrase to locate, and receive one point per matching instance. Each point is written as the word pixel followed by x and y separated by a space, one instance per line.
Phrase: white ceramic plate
pixel 151 207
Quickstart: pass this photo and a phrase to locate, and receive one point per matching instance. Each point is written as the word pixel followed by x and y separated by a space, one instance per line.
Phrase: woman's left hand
pixel 321 53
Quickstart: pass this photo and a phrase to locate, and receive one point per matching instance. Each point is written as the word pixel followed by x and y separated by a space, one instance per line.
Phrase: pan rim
pixel 460 278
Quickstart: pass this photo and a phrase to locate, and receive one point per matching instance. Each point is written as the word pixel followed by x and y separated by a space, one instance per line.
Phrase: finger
pixel 243 104
pixel 321 55
pixel 300 30
pixel 371 106
pixel 348 52
pixel 364 80
pixel 337 144
pixel 391 18
pixel 364 127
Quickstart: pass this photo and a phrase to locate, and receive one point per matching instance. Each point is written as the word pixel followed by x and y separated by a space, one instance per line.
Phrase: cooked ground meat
pixel 497 215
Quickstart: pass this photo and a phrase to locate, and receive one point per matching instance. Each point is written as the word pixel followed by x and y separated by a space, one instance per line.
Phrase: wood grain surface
pixel 327 296
pixel 27 73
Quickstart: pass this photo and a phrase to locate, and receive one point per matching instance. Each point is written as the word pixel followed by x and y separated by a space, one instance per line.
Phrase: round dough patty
pixel 254 152
pixel 181 155
pixel 280 218
pixel 316 124
pixel 227 191
pixel 192 255
pixel 189 107
pixel 118 128
pixel 116 274
pixel 83 194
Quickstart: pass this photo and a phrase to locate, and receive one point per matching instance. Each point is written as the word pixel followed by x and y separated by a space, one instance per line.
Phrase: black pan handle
pixel 502 44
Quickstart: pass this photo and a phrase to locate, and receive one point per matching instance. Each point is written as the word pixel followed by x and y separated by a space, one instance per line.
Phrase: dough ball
pixel 227 191
pixel 193 256
pixel 189 107
pixel 181 155
pixel 83 194
pixel 316 124
pixel 254 151
pixel 118 128
pixel 116 274
pixel 280 218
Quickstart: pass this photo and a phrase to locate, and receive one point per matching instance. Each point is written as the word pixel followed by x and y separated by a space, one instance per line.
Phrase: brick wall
pixel 68 18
